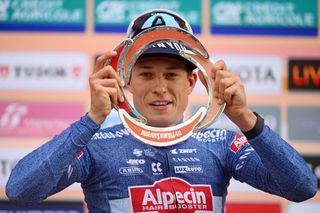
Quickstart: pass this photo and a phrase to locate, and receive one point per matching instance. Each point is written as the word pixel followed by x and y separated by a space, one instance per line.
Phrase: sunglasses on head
pixel 159 17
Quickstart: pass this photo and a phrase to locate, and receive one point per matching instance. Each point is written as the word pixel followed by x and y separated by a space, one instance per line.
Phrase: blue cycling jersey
pixel 118 173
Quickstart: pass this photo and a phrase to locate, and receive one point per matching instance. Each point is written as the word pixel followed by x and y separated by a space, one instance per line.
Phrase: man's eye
pixel 170 75
pixel 146 75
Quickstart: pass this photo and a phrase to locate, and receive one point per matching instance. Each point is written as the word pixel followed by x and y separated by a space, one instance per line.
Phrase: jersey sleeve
pixel 53 166
pixel 269 163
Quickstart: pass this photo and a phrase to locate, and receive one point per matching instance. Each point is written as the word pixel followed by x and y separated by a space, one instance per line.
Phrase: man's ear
pixel 128 86
pixel 192 81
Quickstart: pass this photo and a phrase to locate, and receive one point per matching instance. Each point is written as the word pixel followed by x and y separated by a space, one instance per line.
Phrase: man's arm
pixel 47 169
pixel 270 164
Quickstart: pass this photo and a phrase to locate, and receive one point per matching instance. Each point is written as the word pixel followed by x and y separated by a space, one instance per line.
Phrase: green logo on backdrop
pixel 42 11
pixel 271 13
pixel 121 12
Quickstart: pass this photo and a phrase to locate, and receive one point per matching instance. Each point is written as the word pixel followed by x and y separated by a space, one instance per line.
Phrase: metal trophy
pixel 129 51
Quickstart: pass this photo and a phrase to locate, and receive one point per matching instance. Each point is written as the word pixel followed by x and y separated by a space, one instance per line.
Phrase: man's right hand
pixel 105 86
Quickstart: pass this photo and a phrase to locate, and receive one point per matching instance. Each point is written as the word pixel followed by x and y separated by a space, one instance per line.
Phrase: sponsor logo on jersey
pixel 156 168
pixel 110 135
pixel 136 161
pixel 79 154
pixel 211 135
pixel 70 171
pixel 188 169
pixel 243 158
pixel 238 142
pixel 147 152
pixel 174 151
pixel 183 151
pixel 131 170
pixel 171 195
pixel 191 159
pixel 137 152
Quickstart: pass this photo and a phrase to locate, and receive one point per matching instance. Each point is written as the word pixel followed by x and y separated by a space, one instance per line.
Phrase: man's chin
pixel 159 123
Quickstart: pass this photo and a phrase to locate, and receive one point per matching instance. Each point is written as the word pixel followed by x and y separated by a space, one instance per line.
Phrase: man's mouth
pixel 160 103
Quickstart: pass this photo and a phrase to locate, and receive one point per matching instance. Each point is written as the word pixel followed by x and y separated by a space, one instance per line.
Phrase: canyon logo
pixel 170 195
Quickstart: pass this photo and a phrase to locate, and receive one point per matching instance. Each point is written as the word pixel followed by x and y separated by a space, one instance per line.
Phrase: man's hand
pixel 229 89
pixel 104 88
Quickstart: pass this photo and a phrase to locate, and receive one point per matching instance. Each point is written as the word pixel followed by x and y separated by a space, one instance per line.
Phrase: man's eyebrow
pixel 169 66
pixel 144 66
pixel 172 67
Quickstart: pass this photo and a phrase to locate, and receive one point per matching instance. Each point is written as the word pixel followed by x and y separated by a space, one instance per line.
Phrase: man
pixel 118 173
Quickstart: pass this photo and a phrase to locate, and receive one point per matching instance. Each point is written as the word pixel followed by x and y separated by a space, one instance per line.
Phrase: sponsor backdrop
pixel 48 48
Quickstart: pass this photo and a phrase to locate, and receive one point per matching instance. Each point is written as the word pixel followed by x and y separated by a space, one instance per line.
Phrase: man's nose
pixel 160 85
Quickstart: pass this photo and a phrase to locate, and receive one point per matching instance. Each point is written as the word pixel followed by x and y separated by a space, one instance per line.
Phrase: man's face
pixel 160 87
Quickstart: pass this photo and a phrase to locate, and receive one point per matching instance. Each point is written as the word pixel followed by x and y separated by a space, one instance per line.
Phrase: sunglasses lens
pixel 157 18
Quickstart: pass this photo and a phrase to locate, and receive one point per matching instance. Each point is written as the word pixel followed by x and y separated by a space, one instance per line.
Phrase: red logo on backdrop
pixel 238 142
pixel 169 195
pixel 76 71
pixel 252 207
pixel 304 74
pixel 37 119
pixel 4 71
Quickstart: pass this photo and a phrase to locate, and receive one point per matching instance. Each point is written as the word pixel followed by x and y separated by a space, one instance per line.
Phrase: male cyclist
pixel 119 173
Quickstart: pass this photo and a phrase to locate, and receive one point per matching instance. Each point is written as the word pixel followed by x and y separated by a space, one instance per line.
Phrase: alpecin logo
pixel 238 142
pixel 170 195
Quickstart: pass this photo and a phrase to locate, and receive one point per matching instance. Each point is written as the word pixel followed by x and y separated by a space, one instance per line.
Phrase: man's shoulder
pixel 115 132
